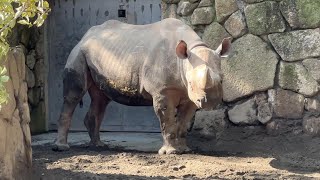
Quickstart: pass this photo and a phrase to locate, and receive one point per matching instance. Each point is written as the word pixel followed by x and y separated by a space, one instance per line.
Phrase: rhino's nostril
pixel 199 103
pixel 202 100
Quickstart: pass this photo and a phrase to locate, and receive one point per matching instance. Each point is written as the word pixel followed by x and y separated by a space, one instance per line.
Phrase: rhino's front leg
pixel 165 108
pixel 185 113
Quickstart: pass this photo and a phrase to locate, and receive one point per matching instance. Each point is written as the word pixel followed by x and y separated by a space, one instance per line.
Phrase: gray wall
pixel 68 22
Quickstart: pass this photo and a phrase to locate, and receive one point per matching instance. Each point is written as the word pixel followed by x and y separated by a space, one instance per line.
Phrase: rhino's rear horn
pixel 182 50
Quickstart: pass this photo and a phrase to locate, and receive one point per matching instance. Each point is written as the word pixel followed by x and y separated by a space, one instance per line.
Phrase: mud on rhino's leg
pixel 184 117
pixel 95 114
pixel 73 90
pixel 64 125
pixel 165 108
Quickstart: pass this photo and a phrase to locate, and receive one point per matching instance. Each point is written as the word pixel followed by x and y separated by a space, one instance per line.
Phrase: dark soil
pixel 237 153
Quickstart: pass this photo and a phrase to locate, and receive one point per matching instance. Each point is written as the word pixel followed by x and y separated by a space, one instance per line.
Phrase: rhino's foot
pixel 60 147
pixel 98 144
pixel 167 149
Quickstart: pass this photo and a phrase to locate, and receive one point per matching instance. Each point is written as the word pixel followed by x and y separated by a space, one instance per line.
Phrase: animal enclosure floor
pixel 237 153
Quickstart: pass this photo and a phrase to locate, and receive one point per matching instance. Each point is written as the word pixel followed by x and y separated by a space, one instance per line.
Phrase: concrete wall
pixel 271 77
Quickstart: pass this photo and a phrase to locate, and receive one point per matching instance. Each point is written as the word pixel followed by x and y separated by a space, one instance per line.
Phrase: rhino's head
pixel 203 72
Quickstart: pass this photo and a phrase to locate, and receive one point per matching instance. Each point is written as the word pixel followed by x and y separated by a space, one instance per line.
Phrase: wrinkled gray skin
pixel 164 64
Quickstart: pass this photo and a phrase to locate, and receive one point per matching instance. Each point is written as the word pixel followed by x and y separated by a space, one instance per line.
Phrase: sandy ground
pixel 237 153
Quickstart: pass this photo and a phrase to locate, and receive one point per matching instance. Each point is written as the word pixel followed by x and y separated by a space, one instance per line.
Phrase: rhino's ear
pixel 224 48
pixel 182 50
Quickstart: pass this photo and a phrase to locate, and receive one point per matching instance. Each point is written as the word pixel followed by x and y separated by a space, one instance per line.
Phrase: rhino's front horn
pixel 202 75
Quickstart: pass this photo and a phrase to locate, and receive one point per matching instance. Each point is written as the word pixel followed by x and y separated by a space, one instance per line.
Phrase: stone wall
pixel 36 71
pixel 33 42
pixel 15 137
pixel 272 76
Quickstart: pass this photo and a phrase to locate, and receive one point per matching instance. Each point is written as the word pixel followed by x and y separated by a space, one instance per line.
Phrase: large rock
pixel 257 1
pixel 250 68
pixel 18 53
pixel 25 36
pixel 296 45
pixel 199 30
pixel 39 72
pixel 244 114
pixel 312 105
pixel 187 21
pixel 205 3
pixel 214 34
pixel 171 1
pixel 209 123
pixel 225 8
pixel 236 25
pixel 203 15
pixel 313 67
pixel 286 104
pixel 23 105
pixel 264 113
pixel 252 1
pixel 31 59
pixel 284 126
pixel 14 75
pixel 264 109
pixel 301 13
pixel 295 77
pixel 30 78
pixel 40 49
pixel 15 137
pixel 311 125
pixel 8 108
pixel 168 10
pixel 37 124
pixel 186 8
pixel 264 18
pixel 34 96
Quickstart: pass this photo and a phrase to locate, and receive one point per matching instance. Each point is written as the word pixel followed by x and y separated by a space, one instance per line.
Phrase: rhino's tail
pixel 81 103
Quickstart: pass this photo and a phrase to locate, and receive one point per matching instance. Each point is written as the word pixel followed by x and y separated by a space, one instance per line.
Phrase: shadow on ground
pixel 296 153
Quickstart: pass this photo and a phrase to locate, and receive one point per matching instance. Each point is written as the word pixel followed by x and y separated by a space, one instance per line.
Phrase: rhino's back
pixel 117 54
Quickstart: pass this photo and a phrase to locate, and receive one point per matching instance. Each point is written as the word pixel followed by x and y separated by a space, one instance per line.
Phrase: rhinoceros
pixel 165 65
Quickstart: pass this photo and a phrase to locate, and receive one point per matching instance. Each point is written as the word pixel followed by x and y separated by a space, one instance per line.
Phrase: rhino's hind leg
pixel 64 125
pixel 95 115
pixel 74 88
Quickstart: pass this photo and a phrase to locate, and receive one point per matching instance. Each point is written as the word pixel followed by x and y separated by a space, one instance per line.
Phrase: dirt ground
pixel 237 153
